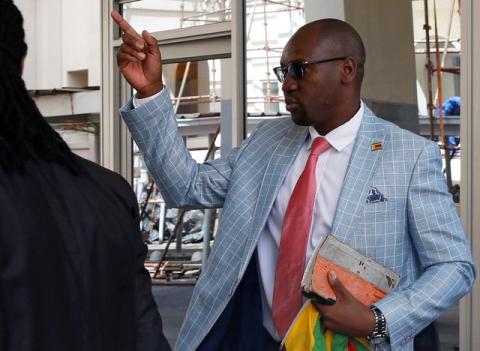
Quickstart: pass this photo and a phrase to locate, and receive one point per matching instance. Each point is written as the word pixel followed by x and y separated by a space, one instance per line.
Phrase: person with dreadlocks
pixel 71 256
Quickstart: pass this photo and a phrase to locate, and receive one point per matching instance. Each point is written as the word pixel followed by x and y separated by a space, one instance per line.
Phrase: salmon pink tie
pixel 287 296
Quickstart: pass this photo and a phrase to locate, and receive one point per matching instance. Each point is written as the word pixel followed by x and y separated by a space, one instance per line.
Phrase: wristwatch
pixel 379 334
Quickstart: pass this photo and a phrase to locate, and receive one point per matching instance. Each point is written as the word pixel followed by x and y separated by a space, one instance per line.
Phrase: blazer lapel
pixel 275 172
pixel 360 171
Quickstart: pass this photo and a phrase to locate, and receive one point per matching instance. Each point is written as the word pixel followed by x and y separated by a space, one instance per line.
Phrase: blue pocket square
pixel 375 196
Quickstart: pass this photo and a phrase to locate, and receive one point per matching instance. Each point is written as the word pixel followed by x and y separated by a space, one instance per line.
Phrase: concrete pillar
pixel 317 9
pixel 386 29
pixel 390 81
pixel 81 35
pixel 43 30
pixel 64 43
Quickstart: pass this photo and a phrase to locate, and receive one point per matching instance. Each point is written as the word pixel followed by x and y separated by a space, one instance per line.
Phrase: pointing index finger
pixel 124 25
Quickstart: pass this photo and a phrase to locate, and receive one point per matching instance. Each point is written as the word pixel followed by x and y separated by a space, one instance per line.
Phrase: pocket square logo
pixel 375 196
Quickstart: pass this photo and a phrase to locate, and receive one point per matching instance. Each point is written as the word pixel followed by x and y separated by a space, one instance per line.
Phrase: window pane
pixel 196 92
pixel 269 25
pixel 154 15
pixel 447 325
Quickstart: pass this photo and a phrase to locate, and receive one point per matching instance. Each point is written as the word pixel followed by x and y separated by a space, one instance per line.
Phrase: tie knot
pixel 319 145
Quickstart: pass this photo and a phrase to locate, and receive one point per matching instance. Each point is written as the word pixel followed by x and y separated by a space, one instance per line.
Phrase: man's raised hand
pixel 139 59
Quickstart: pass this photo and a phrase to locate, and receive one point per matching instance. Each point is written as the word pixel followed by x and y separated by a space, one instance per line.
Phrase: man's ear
pixel 349 70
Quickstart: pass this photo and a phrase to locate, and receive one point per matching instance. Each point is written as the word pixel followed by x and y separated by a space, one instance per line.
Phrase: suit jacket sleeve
pixel 444 255
pixel 182 182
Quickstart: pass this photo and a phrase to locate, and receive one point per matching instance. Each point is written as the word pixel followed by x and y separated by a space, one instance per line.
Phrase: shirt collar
pixel 343 135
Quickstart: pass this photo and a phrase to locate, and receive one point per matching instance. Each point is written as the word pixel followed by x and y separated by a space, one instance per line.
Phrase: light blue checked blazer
pixel 415 232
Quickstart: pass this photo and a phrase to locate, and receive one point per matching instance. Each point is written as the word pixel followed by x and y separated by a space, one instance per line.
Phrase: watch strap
pixel 380 331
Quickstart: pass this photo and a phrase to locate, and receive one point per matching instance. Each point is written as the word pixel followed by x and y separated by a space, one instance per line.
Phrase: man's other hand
pixel 347 316
pixel 139 59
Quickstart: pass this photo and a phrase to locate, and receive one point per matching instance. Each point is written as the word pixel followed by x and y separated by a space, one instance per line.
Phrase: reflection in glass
pixel 154 15
pixel 269 26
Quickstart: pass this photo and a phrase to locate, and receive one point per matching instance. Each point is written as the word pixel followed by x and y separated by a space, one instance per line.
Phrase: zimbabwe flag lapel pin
pixel 376 146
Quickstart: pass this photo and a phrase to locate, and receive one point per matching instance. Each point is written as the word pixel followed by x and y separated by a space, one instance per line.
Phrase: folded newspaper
pixel 365 279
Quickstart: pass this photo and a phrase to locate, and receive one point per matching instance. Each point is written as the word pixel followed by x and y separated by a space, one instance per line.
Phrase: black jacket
pixel 71 263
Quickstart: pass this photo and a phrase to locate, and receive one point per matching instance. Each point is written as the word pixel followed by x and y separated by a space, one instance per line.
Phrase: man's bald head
pixel 323 68
pixel 337 37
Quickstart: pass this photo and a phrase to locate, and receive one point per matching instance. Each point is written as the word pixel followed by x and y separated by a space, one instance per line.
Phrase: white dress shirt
pixel 137 102
pixel 330 172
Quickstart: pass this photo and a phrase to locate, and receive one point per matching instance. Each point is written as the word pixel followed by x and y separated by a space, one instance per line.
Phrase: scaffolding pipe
pixel 278 49
pixel 182 86
pixel 209 21
pixel 207 234
pixel 214 96
pixel 439 77
pixel 251 21
pixel 447 41
pixel 283 10
pixel 290 18
pixel 428 65
pixel 224 8
pixel 449 32
pixel 267 55
pixel 209 13
pixel 182 9
pixel 192 97
pixel 208 217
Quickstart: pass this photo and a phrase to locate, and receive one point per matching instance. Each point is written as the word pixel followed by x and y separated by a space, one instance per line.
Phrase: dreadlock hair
pixel 25 135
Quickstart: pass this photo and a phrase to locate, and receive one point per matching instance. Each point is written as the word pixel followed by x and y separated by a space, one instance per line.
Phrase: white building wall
pixel 29 9
pixel 81 36
pixel 63 37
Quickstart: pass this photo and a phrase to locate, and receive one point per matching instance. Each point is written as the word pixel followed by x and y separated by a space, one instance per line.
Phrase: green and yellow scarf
pixel 308 334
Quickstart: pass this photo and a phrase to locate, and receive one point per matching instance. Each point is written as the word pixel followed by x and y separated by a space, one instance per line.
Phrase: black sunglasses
pixel 296 69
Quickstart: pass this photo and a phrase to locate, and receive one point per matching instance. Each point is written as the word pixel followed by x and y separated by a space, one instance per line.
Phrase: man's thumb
pixel 336 284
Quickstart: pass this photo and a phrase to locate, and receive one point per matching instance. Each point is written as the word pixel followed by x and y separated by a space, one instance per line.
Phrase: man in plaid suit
pixel 379 188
